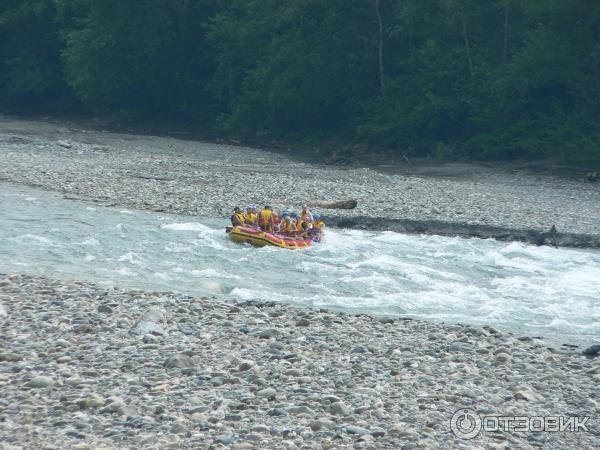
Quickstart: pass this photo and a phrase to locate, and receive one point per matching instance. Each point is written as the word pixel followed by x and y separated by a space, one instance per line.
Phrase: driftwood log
pixel 345 204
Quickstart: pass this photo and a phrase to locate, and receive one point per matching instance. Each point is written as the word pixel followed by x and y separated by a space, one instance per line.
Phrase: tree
pixel 30 66
pixel 146 59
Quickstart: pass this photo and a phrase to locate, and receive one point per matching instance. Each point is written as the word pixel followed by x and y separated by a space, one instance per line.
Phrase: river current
pixel 538 291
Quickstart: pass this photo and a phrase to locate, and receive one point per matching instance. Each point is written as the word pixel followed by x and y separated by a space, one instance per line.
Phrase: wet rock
pixel 65 144
pixel 92 401
pixel 269 333
pixel 105 309
pixel 152 322
pixel 260 429
pixel 225 439
pixel 277 412
pixel 179 361
pixel 41 381
pixel 322 424
pixel 357 430
pixel 339 409
pixel 377 432
pixel 246 365
pixel 178 428
pixel 592 351
pixel 127 411
pixel 268 393
pixel 529 394
pixel 301 409
pixel 113 405
pixel 502 358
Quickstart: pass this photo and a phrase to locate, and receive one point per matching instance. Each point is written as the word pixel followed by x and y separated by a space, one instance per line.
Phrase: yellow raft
pixel 259 238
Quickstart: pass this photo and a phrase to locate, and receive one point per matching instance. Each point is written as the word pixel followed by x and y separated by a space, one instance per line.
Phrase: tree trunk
pixel 344 204
pixel 505 46
pixel 467 46
pixel 380 52
pixel 230 86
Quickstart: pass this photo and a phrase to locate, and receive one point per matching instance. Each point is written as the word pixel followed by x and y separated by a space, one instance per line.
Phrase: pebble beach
pixel 207 180
pixel 85 366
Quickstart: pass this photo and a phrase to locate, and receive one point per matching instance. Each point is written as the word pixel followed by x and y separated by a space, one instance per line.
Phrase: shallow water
pixel 539 291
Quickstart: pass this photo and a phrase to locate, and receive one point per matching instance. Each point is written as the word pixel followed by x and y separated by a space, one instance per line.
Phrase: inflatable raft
pixel 259 238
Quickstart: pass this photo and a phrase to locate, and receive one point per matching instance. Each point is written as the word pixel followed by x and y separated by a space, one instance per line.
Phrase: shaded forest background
pixel 457 79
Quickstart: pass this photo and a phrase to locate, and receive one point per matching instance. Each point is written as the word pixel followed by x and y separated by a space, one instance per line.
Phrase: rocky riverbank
pixel 204 179
pixel 83 366
pixel 436 227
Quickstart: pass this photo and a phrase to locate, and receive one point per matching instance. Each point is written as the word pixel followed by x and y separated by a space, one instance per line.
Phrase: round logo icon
pixel 465 423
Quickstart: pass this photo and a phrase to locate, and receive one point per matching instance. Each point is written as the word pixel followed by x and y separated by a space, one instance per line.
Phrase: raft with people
pixel 266 227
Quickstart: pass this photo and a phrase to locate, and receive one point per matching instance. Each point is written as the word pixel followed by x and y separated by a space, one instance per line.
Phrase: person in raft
pixel 250 217
pixel 318 227
pixel 305 213
pixel 237 219
pixel 287 226
pixel 266 219
pixel 306 227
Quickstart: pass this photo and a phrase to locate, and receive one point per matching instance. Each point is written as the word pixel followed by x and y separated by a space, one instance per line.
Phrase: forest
pixel 448 79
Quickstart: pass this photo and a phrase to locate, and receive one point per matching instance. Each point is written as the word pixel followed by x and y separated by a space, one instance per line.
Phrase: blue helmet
pixel 316 216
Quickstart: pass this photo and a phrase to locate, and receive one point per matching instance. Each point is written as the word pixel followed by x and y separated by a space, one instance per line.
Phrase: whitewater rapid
pixel 538 291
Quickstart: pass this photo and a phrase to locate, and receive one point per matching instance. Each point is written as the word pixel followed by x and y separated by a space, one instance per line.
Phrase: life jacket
pixel 250 218
pixel 304 215
pixel 237 218
pixel 306 226
pixel 319 225
pixel 265 216
pixel 287 227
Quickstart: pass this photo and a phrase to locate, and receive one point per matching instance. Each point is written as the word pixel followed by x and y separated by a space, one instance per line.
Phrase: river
pixel 538 291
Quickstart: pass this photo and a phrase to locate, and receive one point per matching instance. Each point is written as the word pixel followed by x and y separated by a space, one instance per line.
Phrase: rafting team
pixel 305 225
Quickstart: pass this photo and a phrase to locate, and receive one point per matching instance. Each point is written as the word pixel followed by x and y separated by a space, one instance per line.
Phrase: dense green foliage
pixel 501 79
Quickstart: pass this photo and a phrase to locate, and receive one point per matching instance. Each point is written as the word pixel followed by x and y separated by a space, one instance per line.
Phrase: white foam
pixel 124 271
pixel 186 226
pixel 38 239
pixel 90 241
pixel 162 276
pixel 130 257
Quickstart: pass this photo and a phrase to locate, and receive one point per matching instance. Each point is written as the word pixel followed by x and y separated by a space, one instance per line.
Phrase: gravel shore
pixel 203 179
pixel 86 367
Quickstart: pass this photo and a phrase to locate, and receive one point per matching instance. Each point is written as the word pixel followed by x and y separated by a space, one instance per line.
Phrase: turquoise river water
pixel 539 291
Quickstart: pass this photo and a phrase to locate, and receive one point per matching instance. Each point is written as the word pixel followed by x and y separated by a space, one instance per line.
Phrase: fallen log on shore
pixel 345 204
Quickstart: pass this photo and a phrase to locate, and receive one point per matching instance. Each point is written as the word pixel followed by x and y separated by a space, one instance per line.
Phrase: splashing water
pixel 512 286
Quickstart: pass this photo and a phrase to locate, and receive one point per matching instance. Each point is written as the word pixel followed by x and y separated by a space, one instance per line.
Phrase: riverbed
pixel 129 320
pixel 517 287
